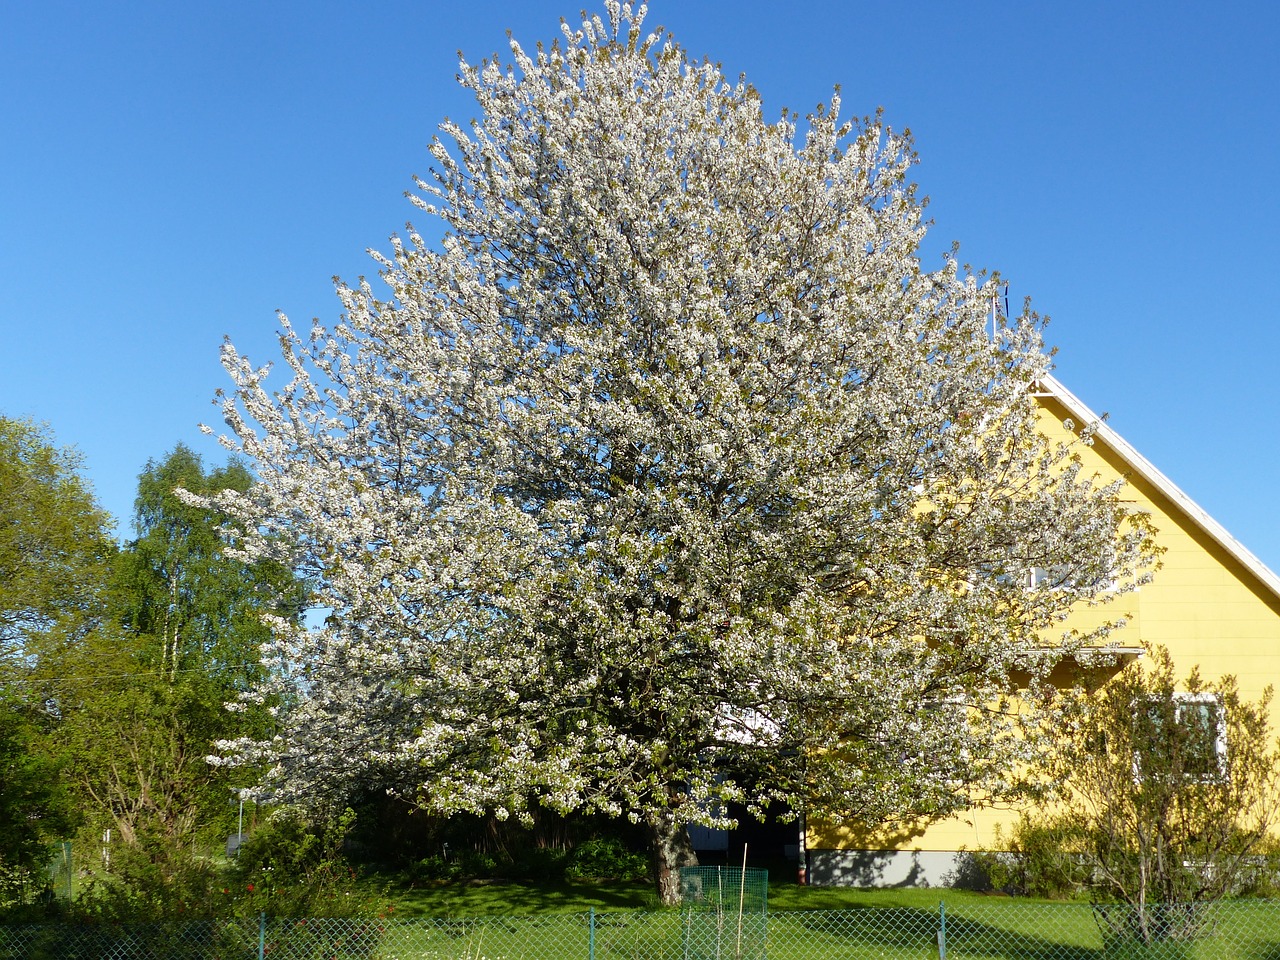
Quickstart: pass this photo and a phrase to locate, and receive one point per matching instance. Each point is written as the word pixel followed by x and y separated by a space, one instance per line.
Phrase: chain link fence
pixel 998 930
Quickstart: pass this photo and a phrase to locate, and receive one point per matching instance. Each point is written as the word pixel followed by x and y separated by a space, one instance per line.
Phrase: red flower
pixel 249 888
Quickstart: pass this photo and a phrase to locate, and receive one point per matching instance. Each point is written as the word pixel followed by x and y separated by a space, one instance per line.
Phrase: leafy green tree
pixel 149 776
pixel 187 620
pixel 35 808
pixel 55 546
pixel 55 555
pixel 1172 789
pixel 199 610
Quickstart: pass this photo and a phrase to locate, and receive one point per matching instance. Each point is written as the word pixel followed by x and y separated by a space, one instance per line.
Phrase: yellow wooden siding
pixel 1203 604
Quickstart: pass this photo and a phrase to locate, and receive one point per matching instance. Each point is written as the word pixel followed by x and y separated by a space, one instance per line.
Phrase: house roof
pixel 1144 468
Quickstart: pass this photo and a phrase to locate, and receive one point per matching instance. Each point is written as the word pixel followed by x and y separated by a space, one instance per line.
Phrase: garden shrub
pixel 605 858
pixel 295 867
pixel 1041 859
pixel 151 879
pixel 457 865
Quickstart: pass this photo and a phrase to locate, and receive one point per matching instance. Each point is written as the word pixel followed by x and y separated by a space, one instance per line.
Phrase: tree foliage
pixel 174 584
pixel 668 469
pixel 55 545
pixel 35 807
pixel 1172 789
pixel 182 640
pixel 55 551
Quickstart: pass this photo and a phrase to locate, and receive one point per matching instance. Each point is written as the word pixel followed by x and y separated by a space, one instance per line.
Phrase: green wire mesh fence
pixel 724 913
pixel 998 930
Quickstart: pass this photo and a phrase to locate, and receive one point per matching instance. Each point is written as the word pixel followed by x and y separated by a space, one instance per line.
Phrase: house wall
pixel 1204 605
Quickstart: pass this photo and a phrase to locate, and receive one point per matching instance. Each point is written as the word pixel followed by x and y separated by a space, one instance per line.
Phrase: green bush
pixel 605 858
pixel 459 865
pixel 289 867
pixel 1042 859
pixel 294 867
pixel 150 880
pixel 599 858
pixel 539 863
pixel 1260 876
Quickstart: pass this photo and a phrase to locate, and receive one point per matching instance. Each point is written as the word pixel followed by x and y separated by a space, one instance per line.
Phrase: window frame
pixel 1182 703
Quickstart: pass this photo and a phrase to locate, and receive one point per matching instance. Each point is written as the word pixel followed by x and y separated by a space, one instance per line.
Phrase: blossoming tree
pixel 667 476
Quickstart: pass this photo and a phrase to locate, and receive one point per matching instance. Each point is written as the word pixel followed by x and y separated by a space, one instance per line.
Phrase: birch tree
pixel 190 609
pixel 667 475
pixel 184 623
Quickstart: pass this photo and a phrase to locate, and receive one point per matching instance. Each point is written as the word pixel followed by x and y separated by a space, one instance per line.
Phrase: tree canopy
pixel 175 584
pixel 35 806
pixel 181 641
pixel 667 475
pixel 55 555
pixel 55 544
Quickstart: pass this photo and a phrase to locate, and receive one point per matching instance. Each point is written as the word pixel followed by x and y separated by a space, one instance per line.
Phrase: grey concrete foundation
pixel 892 868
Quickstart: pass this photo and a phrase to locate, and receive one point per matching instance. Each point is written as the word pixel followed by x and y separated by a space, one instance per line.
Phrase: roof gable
pixel 1141 466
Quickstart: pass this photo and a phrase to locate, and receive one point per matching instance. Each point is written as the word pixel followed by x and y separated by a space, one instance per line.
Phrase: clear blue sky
pixel 176 172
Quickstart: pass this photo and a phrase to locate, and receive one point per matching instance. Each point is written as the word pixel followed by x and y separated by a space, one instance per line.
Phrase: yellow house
pixel 1212 604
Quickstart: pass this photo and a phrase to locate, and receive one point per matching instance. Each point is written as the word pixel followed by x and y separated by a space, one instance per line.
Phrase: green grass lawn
pixel 805 923
pixel 492 898
pixel 549 921
pixel 483 898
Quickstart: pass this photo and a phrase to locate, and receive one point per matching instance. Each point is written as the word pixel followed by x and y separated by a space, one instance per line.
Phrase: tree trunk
pixel 672 849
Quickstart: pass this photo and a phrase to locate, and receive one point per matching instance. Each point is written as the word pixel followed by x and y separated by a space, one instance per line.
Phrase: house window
pixel 1072 578
pixel 1184 737
pixel 1060 576
pixel 1042 577
pixel 1202 726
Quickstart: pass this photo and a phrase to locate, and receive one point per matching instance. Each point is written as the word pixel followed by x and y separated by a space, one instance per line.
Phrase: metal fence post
pixel 66 864
pixel 591 933
pixel 262 935
pixel 942 930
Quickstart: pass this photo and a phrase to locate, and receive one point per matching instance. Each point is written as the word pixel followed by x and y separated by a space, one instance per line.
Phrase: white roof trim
pixel 1117 652
pixel 1141 465
pixel 1088 655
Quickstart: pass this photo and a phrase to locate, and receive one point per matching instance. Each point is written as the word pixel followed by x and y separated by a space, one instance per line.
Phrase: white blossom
pixel 668 475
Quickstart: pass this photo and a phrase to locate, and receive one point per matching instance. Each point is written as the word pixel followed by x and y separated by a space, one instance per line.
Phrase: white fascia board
pixel 1088 655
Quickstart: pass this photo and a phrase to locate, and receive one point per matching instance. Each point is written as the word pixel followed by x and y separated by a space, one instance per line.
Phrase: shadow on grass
pixel 475 899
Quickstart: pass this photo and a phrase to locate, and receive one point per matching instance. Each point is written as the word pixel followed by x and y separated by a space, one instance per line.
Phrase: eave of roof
pixel 1091 655
pixel 1147 470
